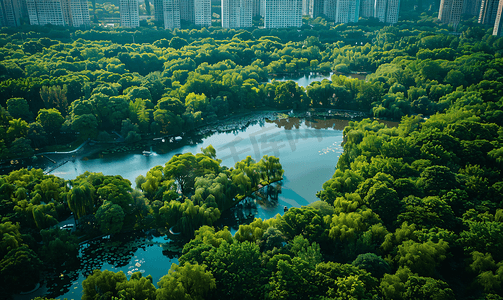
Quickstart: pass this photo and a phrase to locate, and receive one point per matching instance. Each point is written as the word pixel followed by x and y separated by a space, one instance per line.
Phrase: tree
pixel 55 97
pixel 137 287
pixel 81 200
pixel 19 270
pixel 18 128
pixel 21 148
pixel 187 282
pixel 60 248
pixel 51 119
pixel 102 285
pixel 18 108
pixel 110 217
pixel 373 264
pixel 384 201
pixel 289 95
pixel 421 258
pixel 271 168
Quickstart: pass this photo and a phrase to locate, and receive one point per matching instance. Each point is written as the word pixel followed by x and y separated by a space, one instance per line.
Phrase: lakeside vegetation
pixel 413 212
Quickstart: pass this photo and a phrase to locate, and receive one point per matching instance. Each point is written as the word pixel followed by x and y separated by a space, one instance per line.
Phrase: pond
pixel 308 151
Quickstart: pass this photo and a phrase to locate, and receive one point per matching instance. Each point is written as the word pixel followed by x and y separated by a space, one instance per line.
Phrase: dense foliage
pixel 413 212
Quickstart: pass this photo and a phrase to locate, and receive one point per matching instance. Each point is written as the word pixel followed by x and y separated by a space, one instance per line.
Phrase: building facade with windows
pixel 282 13
pixel 450 11
pixel 171 14
pixel 488 11
pixel 11 12
pixel 129 11
pixel 392 11
pixel 498 22
pixel 42 12
pixel 202 12
pixel 237 13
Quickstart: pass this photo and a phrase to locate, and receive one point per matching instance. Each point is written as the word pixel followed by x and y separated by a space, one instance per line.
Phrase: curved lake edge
pixel 51 161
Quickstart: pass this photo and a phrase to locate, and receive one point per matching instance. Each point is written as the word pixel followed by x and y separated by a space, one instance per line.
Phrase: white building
pixel 42 12
pixel 130 15
pixel 202 12
pixel 171 14
pixel 237 13
pixel 342 11
pixel 498 24
pixel 283 13
pixel 76 13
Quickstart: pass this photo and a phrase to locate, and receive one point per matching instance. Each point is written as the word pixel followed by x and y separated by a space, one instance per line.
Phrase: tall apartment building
pixel 171 14
pixel 342 11
pixel 42 12
pixel 257 7
pixel 202 12
pixel 315 8
pixel 367 8
pixel 392 11
pixel 488 11
pixel 380 10
pixel 283 13
pixel 498 23
pixel 450 11
pixel 187 10
pixel 76 13
pixel 237 13
pixel 159 10
pixel 130 15
pixel 305 7
pixel 471 7
pixel 11 12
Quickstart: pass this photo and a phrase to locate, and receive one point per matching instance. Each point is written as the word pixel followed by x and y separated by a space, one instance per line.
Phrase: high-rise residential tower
pixel 159 10
pixel 315 8
pixel 498 23
pixel 392 11
pixel 42 12
pixel 171 14
pixel 450 11
pixel 367 8
pixel 237 13
pixel 130 16
pixel 202 12
pixel 11 12
pixel 257 6
pixel 488 11
pixel 76 13
pixel 305 7
pixel 471 7
pixel 283 13
pixel 380 10
pixel 187 10
pixel 342 11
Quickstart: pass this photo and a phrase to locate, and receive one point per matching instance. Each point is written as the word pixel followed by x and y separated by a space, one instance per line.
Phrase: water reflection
pixel 291 123
pixel 266 198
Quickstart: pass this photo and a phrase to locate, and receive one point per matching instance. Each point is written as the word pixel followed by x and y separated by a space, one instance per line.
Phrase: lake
pixel 308 151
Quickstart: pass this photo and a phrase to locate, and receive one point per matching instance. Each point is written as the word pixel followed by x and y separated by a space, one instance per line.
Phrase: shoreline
pixel 233 122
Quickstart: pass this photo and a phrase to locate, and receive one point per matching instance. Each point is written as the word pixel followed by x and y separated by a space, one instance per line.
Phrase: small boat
pixel 147 153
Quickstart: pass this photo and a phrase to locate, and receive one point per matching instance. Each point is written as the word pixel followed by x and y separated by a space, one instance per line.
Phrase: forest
pixel 412 212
